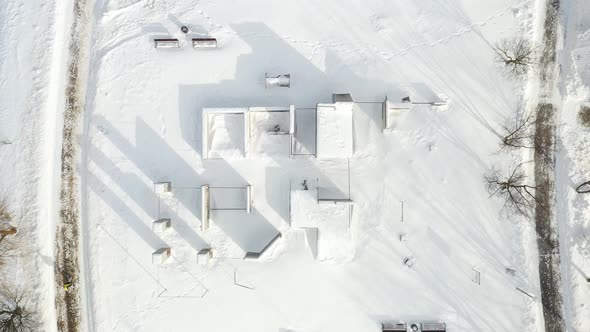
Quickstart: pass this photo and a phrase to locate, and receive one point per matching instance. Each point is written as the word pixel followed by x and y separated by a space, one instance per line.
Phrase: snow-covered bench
pixel 166 43
pixel 204 42
pixel 281 81
pixel 393 327
pixel 433 327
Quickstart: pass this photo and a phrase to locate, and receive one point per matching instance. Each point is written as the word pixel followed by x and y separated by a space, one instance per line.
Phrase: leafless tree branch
pixel 517 55
pixel 518 196
pixel 6 246
pixel 5 215
pixel 14 314
pixel 519 133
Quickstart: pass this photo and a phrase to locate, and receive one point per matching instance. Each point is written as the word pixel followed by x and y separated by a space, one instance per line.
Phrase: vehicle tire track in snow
pixel 544 157
pixel 67 264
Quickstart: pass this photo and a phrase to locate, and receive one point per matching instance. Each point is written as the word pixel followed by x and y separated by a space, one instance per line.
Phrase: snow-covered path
pixel 32 54
pixel 573 164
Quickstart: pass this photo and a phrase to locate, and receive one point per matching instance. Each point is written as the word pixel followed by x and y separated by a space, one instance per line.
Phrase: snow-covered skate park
pixel 343 185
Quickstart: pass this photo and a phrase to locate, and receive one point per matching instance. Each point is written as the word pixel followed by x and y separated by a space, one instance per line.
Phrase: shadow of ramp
pixel 160 157
pixel 250 231
pixel 334 180
pixel 190 212
pixel 144 196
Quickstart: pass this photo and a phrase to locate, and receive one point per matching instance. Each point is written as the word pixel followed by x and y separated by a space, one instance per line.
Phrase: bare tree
pixel 5 215
pixel 14 314
pixel 518 133
pixel 5 218
pixel 517 56
pixel 7 250
pixel 10 230
pixel 6 247
pixel 518 196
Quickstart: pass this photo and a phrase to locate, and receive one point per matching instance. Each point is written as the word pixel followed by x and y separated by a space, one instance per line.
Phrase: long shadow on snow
pixel 133 221
pixel 143 195
pixel 165 164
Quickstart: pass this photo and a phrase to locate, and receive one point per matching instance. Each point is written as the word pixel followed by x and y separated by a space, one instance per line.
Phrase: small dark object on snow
pixel 408 261
pixel 184 29
pixel 584 115
pixel 583 188
pixel 406 99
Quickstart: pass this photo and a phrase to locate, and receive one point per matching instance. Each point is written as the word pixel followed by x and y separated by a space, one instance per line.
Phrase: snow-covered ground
pixel 143 125
pixel 573 165
pixel 32 63
pixel 417 188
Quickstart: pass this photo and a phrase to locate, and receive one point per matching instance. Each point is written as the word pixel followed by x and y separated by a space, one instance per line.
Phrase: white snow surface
pixel 334 241
pixel 33 54
pixel 573 166
pixel 334 127
pixel 143 125
pixel 269 133
pixel 226 135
